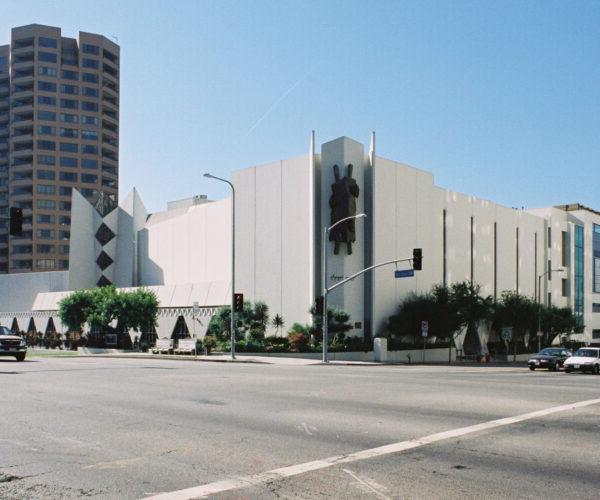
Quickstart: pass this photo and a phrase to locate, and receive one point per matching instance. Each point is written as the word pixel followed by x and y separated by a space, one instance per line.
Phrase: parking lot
pixel 132 428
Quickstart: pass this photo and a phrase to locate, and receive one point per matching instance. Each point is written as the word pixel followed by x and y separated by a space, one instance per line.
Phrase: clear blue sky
pixel 498 99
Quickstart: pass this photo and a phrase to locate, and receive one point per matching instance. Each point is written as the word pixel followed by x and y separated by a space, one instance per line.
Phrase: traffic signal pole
pixel 327 290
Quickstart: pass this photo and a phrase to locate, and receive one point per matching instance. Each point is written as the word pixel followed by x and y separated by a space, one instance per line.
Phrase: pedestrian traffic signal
pixel 238 302
pixel 16 221
pixel 417 259
pixel 319 305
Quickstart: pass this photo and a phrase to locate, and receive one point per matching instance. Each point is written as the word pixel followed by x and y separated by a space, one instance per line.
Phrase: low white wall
pixel 436 355
pixel 431 355
pixel 333 356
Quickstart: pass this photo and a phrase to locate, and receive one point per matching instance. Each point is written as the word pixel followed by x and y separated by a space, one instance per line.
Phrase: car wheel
pixel 556 367
pixel 567 370
pixel 20 357
pixel 596 370
pixel 532 368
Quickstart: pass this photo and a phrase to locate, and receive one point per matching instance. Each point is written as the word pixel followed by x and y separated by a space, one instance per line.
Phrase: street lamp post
pixel 539 300
pixel 232 327
pixel 324 281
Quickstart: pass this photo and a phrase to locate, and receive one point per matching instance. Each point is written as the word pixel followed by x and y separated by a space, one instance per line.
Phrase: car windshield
pixel 587 353
pixel 5 331
pixel 550 352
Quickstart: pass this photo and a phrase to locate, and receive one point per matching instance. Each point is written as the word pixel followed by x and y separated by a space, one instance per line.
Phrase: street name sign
pixel 404 273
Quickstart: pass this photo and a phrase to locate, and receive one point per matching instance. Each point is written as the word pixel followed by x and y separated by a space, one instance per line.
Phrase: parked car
pixel 586 359
pixel 12 345
pixel 551 358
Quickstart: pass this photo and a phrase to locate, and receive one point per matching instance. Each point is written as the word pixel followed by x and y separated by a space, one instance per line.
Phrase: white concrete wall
pixel 186 246
pixel 18 291
pixel 409 214
pixel 273 232
pixel 84 248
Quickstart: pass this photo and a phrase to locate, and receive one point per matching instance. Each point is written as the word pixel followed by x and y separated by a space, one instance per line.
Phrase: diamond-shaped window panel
pixel 103 281
pixel 104 260
pixel 104 234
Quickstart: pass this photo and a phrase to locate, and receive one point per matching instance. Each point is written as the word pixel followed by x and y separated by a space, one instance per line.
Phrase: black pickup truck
pixel 12 345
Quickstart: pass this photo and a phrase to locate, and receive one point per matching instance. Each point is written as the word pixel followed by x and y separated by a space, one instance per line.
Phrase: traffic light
pixel 238 302
pixel 16 221
pixel 319 305
pixel 417 259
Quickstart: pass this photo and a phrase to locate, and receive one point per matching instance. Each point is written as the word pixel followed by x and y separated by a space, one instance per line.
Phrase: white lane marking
pixel 308 428
pixel 367 485
pixel 294 470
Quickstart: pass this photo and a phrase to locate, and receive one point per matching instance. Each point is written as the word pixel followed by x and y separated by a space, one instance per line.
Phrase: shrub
pixel 209 343
pixel 358 344
pixel 256 335
pixel 298 328
pixel 298 342
pixel 277 344
pixel 222 345
pixel 253 346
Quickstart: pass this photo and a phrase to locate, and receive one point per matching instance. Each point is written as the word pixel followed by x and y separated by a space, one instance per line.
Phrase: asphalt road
pixel 129 428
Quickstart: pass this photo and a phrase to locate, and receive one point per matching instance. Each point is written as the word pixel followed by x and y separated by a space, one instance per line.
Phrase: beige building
pixel 59 130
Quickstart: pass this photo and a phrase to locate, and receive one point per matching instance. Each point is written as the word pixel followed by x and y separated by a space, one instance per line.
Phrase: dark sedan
pixel 551 358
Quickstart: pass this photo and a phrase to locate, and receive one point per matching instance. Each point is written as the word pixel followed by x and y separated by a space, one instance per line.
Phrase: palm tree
pixel 278 323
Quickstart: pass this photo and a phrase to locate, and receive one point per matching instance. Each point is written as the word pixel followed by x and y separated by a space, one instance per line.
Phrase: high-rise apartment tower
pixel 59 131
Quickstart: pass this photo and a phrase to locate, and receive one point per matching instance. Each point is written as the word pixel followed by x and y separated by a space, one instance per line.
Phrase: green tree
pixel 102 307
pixel 417 307
pixel 138 309
pixel 556 321
pixel 446 309
pixel 519 312
pixel 105 308
pixel 73 309
pixel 469 306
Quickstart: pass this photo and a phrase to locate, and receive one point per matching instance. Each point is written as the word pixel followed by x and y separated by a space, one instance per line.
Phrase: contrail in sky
pixel 276 103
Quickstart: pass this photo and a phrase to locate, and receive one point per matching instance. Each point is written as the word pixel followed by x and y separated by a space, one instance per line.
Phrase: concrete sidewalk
pixel 215 358
pixel 245 358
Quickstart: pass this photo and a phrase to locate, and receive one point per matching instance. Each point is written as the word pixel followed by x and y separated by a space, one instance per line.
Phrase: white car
pixel 585 359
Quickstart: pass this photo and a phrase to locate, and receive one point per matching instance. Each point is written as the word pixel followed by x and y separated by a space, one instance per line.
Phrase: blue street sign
pixel 404 273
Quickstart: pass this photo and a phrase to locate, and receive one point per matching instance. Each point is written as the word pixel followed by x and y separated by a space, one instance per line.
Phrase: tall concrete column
pixel 350 297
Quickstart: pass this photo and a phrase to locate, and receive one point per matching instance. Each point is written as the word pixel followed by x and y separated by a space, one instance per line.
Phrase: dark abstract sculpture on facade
pixel 343 204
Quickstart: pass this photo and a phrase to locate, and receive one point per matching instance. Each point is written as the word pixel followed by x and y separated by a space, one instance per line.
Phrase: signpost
pixel 424 333
pixel 507 334
pixel 195 311
pixel 539 337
